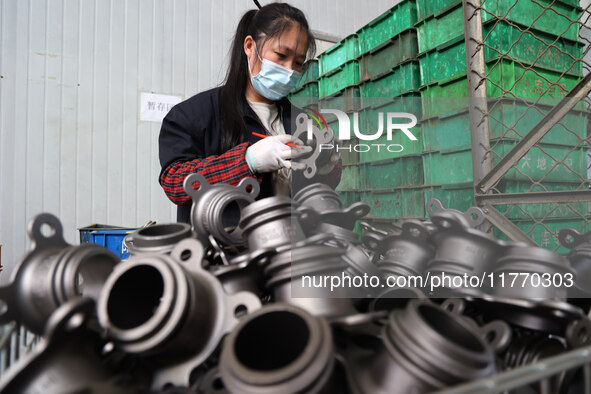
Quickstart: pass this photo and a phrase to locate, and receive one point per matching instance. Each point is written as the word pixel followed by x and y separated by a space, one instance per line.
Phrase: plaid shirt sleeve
pixel 229 167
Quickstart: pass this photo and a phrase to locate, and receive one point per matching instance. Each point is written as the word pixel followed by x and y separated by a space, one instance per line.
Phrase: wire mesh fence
pixel 536 55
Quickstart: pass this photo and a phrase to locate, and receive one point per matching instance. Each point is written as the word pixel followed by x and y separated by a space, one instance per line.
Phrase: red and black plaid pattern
pixel 230 168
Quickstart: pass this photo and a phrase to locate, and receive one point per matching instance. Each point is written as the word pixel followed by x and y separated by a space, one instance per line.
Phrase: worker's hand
pixel 299 149
pixel 272 153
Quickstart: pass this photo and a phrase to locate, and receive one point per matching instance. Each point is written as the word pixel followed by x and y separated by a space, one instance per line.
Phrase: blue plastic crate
pixel 111 237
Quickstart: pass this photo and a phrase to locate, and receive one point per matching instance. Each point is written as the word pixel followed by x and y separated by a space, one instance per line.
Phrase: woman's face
pixel 289 50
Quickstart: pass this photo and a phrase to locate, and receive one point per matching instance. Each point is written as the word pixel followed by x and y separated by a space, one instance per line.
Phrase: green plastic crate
pixel 347 99
pixel 428 7
pixel 509 118
pixel 308 90
pixel 331 121
pixel 456 166
pixel 349 154
pixel 522 82
pixel 392 173
pixel 540 211
pixel 449 59
pixel 460 197
pixel 369 119
pixel 448 23
pixel 349 197
pixel 339 78
pixel 407 102
pixel 384 149
pixel 400 80
pixel 309 74
pixel 388 54
pixel 340 53
pixel 394 203
pixel 350 178
pixel 546 234
pixel 397 19
pixel 305 96
pixel 411 202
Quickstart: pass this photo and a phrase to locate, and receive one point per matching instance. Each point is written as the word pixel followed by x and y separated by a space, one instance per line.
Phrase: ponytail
pixel 268 22
pixel 235 87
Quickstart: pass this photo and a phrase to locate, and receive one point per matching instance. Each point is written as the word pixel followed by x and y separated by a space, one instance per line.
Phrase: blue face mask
pixel 273 81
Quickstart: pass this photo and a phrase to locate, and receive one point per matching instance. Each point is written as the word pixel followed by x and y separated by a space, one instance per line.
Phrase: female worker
pixel 211 133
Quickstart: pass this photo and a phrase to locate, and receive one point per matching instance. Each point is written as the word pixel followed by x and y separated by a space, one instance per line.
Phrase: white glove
pixel 271 153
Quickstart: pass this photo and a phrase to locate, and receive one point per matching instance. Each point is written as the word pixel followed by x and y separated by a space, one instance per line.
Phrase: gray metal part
pixel 532 260
pixel 318 157
pixel 411 342
pixel 212 314
pixel 319 197
pixel 460 248
pixel 157 238
pixel 209 202
pixel 310 368
pixel 51 273
pixel 271 222
pixel 68 360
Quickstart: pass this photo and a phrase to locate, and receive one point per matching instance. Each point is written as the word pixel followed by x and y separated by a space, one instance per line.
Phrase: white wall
pixel 71 75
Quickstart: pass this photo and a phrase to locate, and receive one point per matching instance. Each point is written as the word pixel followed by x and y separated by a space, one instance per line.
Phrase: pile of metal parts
pixel 207 309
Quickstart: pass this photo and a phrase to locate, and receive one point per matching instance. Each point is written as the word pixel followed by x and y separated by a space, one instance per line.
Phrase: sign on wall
pixel 154 107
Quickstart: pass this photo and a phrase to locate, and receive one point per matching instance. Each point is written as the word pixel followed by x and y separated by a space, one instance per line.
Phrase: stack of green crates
pixel 413 56
pixel 521 62
pixel 306 90
pixel 387 67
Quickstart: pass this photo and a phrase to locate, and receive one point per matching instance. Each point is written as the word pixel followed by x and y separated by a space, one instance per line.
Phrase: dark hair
pixel 268 22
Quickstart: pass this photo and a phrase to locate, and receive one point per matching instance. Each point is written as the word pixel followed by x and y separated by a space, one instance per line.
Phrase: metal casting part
pixel 271 222
pixel 285 275
pixel 319 156
pixel 319 197
pixel 170 311
pixel 69 360
pixel 278 349
pixel 406 252
pixel 531 260
pixel 52 273
pixel 157 238
pixel 459 247
pixel 210 202
pixel 580 260
pixel 425 348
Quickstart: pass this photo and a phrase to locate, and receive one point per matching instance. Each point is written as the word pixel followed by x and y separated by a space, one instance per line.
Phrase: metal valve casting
pixel 157 238
pixel 459 247
pixel 52 273
pixel 210 202
pixel 271 222
pixel 286 274
pixel 406 252
pixel 70 359
pixel 580 259
pixel 425 348
pixel 169 310
pixel 320 155
pixel 319 197
pixel 279 349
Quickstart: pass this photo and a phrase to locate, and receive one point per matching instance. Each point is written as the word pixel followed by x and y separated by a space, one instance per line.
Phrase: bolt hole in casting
pixel 47 230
